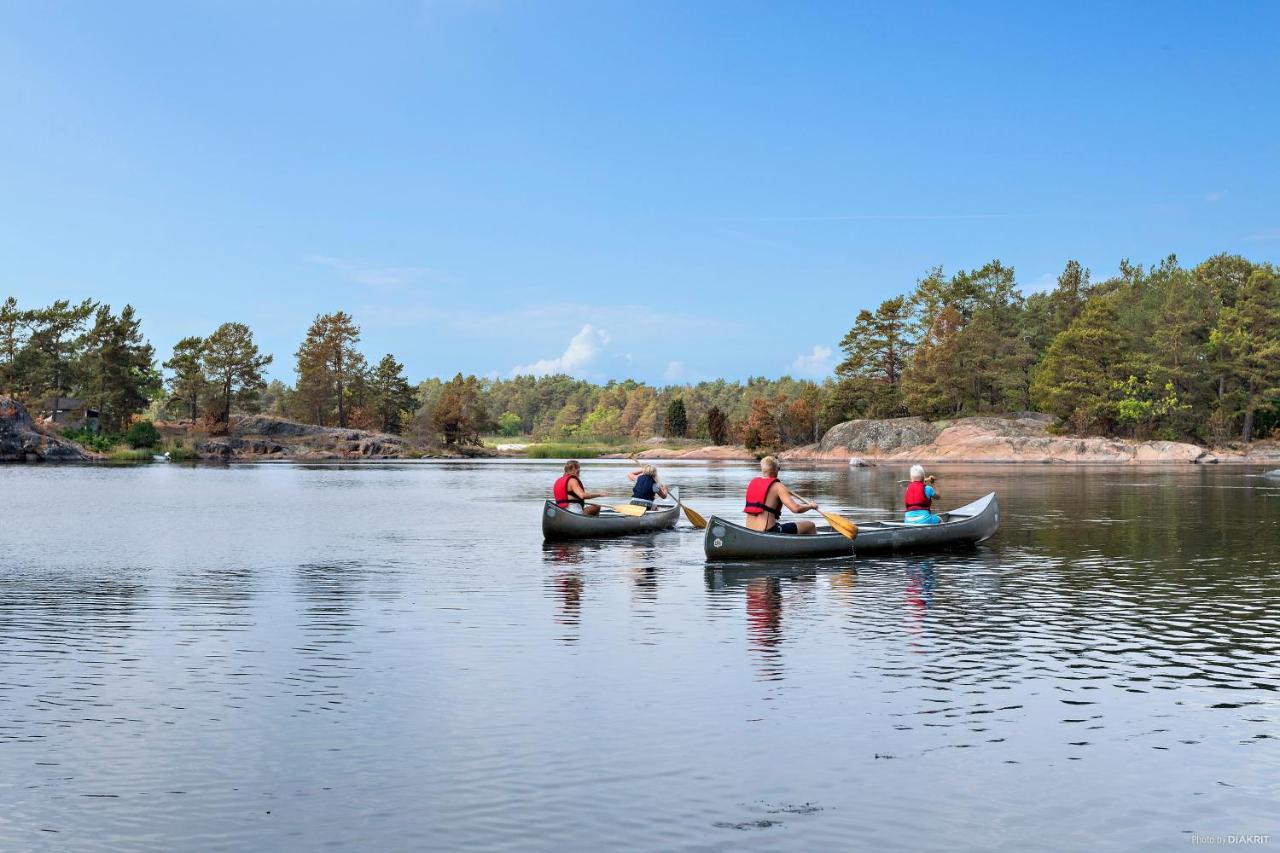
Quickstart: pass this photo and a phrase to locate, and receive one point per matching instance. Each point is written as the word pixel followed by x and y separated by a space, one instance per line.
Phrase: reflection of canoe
pixel 967 525
pixel 561 524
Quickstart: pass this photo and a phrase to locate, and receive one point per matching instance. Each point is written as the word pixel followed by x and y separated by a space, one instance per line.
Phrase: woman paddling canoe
pixel 647 488
pixel 766 496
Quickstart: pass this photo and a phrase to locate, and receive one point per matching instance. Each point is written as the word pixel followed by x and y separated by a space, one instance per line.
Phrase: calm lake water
pixel 388 657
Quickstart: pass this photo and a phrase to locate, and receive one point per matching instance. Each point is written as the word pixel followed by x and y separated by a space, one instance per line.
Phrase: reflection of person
pixel 766 496
pixel 764 613
pixel 647 487
pixel 919 498
pixel 569 493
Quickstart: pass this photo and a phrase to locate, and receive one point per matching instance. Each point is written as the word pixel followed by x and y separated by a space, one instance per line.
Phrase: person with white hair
pixel 647 488
pixel 766 496
pixel 919 498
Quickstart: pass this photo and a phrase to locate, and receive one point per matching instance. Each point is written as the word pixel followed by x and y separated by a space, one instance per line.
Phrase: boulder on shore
pixel 22 441
pixel 723 452
pixel 1025 438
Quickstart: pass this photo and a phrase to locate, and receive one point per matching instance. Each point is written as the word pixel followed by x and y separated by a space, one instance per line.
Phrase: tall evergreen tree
pixel 49 361
pixel 1248 339
pixel 677 419
pixel 1077 379
pixel 188 385
pixel 876 351
pixel 329 365
pixel 13 334
pixel 391 394
pixel 459 414
pixel 232 361
pixel 118 375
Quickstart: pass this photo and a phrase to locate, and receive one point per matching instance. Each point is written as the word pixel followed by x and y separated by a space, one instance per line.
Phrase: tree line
pixel 1165 352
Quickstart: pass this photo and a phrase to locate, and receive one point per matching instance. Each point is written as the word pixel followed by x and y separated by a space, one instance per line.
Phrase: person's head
pixel 572 467
pixel 769 466
pixel 650 470
pixel 917 472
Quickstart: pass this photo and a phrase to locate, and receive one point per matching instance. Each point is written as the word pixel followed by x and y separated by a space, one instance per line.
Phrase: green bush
pixel 142 434
pixel 100 442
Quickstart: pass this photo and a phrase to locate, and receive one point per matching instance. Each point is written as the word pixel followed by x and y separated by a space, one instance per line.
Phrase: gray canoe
pixel 966 525
pixel 561 524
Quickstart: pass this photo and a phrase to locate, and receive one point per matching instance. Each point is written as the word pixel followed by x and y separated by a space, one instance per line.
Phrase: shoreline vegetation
pixel 1153 363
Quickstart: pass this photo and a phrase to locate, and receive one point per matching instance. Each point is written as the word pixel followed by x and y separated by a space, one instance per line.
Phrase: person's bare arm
pixel 634 475
pixel 583 494
pixel 662 491
pixel 790 502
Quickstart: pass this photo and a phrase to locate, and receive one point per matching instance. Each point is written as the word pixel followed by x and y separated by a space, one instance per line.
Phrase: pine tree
pixel 876 352
pixel 391 394
pixel 233 363
pixel 49 361
pixel 460 415
pixel 1076 380
pixel 677 419
pixel 13 338
pixel 930 385
pixel 1248 340
pixel 118 375
pixel 329 366
pixel 188 385
pixel 717 426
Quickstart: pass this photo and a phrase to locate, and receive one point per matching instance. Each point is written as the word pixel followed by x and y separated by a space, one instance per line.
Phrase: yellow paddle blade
pixel 625 509
pixel 696 520
pixel 841 525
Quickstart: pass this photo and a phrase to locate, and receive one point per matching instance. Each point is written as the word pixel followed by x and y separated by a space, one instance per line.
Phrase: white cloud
pixel 1215 196
pixel 674 371
pixel 583 350
pixel 1267 234
pixel 816 363
pixel 390 279
pixel 1044 283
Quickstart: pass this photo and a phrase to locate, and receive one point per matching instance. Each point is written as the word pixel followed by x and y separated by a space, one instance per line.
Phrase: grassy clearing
pixel 128 454
pixel 573 450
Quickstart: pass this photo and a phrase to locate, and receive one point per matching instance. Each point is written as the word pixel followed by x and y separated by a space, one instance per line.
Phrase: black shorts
pixel 784 527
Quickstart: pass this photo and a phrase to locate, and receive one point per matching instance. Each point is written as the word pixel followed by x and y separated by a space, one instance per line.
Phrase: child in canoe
pixel 647 488
pixel 919 498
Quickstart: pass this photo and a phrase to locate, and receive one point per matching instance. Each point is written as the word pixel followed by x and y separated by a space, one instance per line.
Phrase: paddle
pixel 695 519
pixel 621 509
pixel 698 522
pixel 839 523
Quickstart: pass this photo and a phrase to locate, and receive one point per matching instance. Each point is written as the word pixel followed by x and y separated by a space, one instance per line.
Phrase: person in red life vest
pixel 568 491
pixel 766 496
pixel 919 498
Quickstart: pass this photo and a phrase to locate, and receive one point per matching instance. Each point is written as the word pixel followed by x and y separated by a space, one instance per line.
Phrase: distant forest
pixel 1165 352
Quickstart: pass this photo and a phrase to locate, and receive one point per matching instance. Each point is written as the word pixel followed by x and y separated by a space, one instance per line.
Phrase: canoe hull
pixel 559 524
pixel 966 525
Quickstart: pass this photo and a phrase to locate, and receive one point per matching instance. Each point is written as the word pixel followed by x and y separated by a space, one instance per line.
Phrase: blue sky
pixel 662 190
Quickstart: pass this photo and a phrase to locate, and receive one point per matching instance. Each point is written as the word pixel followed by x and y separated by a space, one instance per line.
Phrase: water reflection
pixel 1118 637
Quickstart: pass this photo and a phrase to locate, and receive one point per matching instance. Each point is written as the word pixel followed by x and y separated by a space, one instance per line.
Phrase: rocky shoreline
pixel 254 438
pixel 1017 440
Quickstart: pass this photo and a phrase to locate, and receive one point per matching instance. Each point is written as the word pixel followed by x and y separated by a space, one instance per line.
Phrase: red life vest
pixel 915 498
pixel 560 491
pixel 757 491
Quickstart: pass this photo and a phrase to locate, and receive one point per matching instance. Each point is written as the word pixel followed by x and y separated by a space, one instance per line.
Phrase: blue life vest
pixel 646 489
